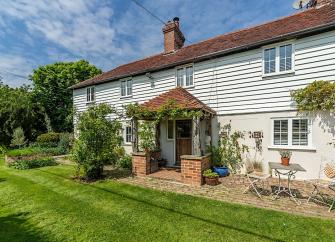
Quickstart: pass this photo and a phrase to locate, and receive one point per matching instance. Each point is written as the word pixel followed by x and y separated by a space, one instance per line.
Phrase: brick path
pixel 231 190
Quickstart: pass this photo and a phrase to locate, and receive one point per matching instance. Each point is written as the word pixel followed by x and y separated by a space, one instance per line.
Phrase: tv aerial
pixel 300 4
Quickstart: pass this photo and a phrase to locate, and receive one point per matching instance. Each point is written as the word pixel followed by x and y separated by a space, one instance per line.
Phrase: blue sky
pixel 114 32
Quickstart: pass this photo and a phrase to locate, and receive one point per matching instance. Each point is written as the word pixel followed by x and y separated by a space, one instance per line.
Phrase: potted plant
pixel 285 157
pixel 211 178
pixel 228 154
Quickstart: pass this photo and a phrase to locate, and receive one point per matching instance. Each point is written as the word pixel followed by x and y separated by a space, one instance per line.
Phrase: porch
pixel 183 134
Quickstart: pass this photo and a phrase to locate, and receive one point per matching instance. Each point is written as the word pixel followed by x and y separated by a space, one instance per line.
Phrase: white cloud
pixel 15 69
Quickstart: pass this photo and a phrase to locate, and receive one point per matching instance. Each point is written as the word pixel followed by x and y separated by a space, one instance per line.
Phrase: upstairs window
pixel 278 59
pixel 270 60
pixel 184 77
pixel 292 132
pixel 90 94
pixel 126 88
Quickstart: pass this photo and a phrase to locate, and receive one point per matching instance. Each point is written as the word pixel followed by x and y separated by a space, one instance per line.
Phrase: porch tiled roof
pixel 313 20
pixel 183 98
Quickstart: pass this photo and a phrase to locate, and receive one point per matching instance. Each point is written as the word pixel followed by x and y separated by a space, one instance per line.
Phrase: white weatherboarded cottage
pixel 246 77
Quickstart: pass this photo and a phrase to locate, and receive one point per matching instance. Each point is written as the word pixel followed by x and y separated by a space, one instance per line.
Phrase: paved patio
pixel 231 190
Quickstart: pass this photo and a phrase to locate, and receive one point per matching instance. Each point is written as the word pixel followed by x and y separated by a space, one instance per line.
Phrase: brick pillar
pixel 140 164
pixel 192 168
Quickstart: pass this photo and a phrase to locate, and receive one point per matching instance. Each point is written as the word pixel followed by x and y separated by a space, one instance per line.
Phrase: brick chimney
pixel 173 37
pixel 320 3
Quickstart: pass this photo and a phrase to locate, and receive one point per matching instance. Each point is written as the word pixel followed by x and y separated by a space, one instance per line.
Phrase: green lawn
pixel 47 205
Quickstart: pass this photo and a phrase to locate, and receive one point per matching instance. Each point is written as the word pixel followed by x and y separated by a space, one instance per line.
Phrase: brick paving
pixel 231 189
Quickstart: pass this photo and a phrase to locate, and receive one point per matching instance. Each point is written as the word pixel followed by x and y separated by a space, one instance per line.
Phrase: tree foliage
pixel 317 96
pixel 17 109
pixel 51 83
pixel 98 141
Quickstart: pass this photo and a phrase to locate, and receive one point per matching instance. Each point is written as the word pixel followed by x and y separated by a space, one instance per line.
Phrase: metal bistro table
pixel 289 171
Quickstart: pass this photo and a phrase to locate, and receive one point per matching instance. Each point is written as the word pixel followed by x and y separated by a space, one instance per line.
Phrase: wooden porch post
pixel 157 135
pixel 134 133
pixel 196 136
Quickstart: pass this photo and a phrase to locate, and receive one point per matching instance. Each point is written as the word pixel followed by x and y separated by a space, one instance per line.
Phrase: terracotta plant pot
pixel 212 181
pixel 285 161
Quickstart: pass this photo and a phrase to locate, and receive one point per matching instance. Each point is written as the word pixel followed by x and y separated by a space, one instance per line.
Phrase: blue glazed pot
pixel 222 171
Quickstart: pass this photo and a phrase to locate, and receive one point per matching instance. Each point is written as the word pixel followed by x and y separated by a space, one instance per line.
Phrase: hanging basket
pixel 330 170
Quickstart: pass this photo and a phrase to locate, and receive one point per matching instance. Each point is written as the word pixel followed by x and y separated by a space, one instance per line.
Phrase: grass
pixel 45 204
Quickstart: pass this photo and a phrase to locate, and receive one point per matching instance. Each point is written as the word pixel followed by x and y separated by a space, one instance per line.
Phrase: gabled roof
pixel 183 99
pixel 311 21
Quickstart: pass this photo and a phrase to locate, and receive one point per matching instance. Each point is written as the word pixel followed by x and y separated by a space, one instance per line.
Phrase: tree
pixel 17 109
pixel 99 139
pixel 51 83
pixel 18 138
pixel 317 96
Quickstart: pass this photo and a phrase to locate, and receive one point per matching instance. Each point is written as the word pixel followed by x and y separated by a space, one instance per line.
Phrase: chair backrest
pixel 329 170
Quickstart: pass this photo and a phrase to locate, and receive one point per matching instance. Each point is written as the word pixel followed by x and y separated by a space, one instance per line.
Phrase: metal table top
pixel 290 167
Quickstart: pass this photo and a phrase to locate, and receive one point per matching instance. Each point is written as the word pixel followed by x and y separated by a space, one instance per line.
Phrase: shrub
pixel 147 136
pixel 18 139
pixel 28 151
pixel 65 140
pixel 48 139
pixel 124 162
pixel 99 136
pixel 36 162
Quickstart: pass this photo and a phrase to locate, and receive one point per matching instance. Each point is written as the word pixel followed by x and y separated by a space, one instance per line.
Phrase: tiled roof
pixel 302 23
pixel 183 98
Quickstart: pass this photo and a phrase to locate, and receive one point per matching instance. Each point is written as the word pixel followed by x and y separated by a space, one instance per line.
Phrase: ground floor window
pixel 291 132
pixel 128 134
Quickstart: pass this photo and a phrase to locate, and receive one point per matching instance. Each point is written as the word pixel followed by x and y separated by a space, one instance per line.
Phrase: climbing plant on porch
pixel 169 110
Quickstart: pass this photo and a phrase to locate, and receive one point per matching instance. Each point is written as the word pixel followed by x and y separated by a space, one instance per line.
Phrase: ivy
pixel 317 96
pixel 169 110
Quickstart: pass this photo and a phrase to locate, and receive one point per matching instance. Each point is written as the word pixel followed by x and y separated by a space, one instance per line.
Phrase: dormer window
pixel 278 60
pixel 90 94
pixel 184 77
pixel 126 88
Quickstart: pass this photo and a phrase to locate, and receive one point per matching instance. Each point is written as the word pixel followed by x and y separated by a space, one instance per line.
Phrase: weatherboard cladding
pixel 296 25
pixel 233 85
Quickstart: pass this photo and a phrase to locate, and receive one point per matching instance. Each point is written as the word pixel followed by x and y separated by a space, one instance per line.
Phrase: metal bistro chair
pixel 319 196
pixel 256 177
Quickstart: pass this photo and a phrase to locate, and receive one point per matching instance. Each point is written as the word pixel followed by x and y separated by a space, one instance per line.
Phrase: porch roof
pixel 183 98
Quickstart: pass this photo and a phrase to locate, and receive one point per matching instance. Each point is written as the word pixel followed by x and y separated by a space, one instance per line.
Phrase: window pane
pixel 189 76
pixel 128 134
pixel 285 57
pixel 280 128
pixel 180 76
pixel 129 87
pixel 123 88
pixel 270 60
pixel 300 132
pixel 88 94
pixel 92 94
pixel 170 129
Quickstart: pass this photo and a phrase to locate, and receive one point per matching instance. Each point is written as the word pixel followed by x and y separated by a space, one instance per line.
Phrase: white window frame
pixel 126 88
pixel 184 76
pixel 309 146
pixel 173 130
pixel 89 89
pixel 127 125
pixel 277 71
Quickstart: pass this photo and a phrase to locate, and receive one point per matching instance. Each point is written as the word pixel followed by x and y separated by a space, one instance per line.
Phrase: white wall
pixel 322 130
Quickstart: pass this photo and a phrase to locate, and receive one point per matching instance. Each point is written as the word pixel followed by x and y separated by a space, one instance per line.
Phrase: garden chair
pixel 255 178
pixel 324 190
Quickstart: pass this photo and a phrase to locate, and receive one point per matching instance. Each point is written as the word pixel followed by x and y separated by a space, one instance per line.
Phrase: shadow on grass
pixel 2 179
pixel 192 216
pixel 116 173
pixel 14 227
